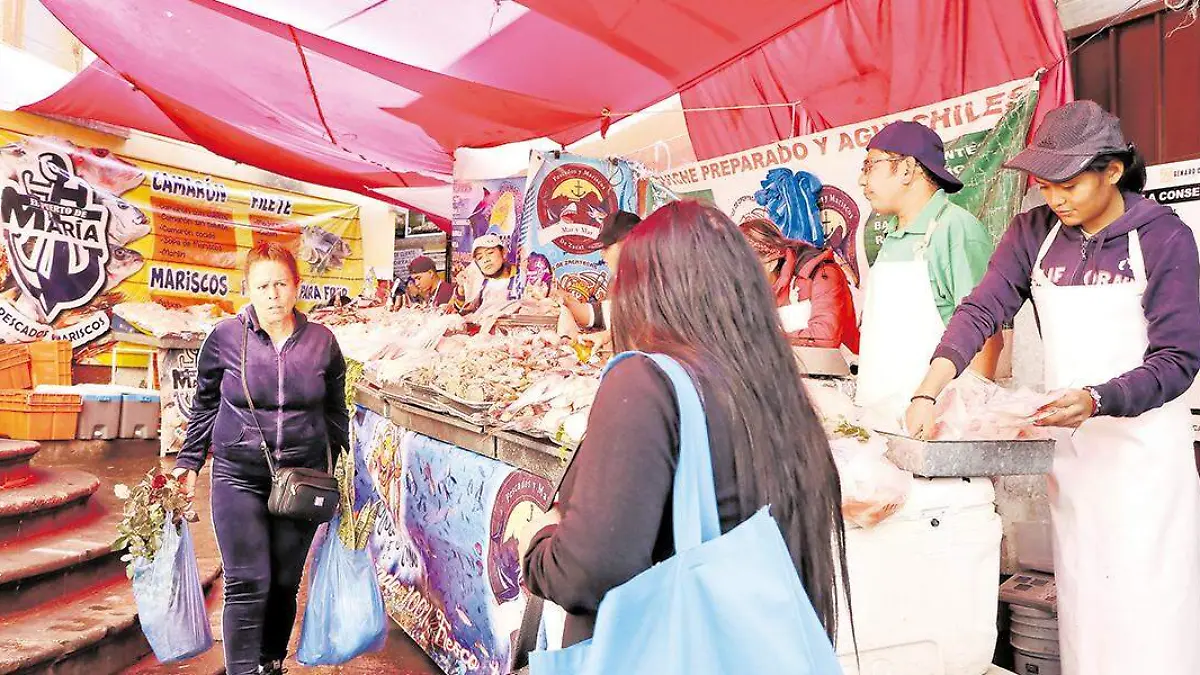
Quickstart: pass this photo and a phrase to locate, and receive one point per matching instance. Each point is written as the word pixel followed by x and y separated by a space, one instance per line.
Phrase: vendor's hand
pixel 600 341
pixel 1070 410
pixel 525 534
pixel 919 420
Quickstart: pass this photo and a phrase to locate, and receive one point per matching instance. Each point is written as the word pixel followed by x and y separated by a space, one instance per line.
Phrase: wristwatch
pixel 1095 400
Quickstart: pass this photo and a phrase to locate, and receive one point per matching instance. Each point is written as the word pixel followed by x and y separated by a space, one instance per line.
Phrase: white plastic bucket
pixel 1031 644
pixel 1029 664
pixel 1043 629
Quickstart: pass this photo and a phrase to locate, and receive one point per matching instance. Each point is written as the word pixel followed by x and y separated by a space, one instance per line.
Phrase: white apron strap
pixel 1137 263
pixel 1049 241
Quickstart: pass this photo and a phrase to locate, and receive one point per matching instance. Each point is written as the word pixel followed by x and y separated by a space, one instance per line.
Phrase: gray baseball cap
pixel 1068 140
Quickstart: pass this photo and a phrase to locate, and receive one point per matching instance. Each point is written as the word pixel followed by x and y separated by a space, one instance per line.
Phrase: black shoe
pixel 272 668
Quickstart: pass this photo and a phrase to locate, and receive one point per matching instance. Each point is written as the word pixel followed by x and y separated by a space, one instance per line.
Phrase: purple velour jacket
pixel 298 392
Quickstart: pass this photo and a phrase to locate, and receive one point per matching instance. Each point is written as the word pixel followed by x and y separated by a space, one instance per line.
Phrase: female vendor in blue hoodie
pixel 1115 281
pixel 296 377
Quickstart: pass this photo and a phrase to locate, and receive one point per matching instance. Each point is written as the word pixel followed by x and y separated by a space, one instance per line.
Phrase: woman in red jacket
pixel 810 288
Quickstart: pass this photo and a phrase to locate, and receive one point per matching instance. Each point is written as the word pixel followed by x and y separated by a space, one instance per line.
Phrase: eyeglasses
pixel 870 163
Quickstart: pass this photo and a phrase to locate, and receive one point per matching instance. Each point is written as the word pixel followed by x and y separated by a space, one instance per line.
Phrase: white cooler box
pixel 141 411
pixel 100 416
pixel 925 584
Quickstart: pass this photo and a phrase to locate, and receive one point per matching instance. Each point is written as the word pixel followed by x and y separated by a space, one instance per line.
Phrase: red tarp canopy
pixel 369 94
pixel 262 92
pixel 860 59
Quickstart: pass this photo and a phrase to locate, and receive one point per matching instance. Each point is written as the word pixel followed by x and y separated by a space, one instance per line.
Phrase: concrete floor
pixel 126 462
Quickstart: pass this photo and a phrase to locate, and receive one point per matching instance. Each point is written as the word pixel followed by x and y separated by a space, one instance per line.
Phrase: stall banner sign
pixel 177 387
pixel 445 546
pixel 567 200
pixel 85 229
pixel 401 259
pixel 480 207
pixel 1177 185
pixel 981 131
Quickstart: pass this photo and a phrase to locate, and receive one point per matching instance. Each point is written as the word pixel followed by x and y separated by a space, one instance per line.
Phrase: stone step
pixel 88 634
pixel 53 499
pixel 14 462
pixel 39 570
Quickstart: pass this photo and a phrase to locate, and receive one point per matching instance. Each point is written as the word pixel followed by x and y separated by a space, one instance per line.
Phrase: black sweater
pixel 616 497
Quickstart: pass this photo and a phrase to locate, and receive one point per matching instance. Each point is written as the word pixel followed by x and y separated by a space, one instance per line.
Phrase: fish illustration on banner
pixel 567 200
pixel 445 546
pixel 85 229
pixel 487 206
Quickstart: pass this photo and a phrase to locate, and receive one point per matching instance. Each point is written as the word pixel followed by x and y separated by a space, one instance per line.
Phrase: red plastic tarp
pixel 262 92
pixel 860 59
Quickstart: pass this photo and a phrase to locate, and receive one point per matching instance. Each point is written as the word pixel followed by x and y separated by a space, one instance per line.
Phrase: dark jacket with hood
pixel 298 392
pixel 1171 300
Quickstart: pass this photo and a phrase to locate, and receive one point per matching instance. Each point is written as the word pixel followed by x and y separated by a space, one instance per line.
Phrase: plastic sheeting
pixel 860 59
pixel 263 92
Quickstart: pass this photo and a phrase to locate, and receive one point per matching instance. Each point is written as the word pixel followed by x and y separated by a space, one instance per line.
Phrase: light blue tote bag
pixel 727 604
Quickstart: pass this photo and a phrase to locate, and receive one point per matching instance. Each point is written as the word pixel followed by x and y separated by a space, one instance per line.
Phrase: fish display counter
pixel 454 495
pixel 456 490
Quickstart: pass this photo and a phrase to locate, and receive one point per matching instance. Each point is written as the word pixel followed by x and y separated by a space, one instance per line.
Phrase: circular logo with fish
pixel 746 208
pixel 585 286
pixel 56 231
pixel 839 218
pixel 572 203
pixel 521 497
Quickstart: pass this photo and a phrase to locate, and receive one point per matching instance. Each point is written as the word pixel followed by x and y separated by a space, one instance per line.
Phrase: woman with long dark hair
pixel 689 286
pixel 1115 280
pixel 809 286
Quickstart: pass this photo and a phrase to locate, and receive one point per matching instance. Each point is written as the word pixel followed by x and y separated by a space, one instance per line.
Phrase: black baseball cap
pixel 918 141
pixel 1069 140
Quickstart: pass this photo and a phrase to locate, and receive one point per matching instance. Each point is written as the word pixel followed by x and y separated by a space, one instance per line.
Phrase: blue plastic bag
pixel 170 600
pixel 723 604
pixel 345 616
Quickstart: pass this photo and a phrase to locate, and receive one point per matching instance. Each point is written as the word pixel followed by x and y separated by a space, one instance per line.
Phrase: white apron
pixel 795 315
pixel 1124 494
pixel 901 329
pixel 494 295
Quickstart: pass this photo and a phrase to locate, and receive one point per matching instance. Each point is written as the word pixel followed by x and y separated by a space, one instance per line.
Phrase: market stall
pixel 461 435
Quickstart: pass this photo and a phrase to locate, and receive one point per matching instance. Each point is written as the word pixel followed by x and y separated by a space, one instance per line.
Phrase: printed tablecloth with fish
pixel 85 229
pixel 445 544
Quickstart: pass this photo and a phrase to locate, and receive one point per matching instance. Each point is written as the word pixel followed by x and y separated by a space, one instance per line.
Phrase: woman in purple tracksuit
pixel 1115 281
pixel 296 377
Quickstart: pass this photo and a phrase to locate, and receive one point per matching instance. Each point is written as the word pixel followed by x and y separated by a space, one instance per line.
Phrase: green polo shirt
pixel 958 252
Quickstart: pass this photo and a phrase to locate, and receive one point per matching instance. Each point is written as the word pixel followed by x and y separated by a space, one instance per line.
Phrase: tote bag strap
pixel 694 496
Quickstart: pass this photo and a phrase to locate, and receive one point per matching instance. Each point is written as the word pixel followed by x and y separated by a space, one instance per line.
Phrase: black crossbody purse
pixel 296 493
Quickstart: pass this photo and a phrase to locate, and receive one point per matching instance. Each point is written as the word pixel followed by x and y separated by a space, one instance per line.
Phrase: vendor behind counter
pixel 423 288
pixel 500 283
pixel 809 286
pixel 596 314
